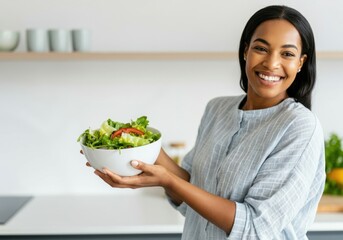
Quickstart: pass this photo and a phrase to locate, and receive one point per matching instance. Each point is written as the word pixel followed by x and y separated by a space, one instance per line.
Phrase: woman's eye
pixel 289 54
pixel 260 49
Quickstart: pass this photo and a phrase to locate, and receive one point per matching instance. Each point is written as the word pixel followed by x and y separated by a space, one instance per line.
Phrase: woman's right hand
pixel 152 175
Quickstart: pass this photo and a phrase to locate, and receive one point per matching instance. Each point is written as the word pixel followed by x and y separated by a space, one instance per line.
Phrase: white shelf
pixel 100 56
pixel 97 56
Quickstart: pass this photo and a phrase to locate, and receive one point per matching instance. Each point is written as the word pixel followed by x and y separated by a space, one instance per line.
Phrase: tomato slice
pixel 126 130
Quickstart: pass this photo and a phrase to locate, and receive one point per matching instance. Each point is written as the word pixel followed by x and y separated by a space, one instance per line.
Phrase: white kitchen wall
pixel 45 105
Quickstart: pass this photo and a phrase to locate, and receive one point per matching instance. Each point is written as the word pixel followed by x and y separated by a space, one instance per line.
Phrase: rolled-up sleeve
pixel 289 180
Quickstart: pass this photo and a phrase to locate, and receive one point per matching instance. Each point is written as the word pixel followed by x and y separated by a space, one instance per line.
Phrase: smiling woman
pixel 256 170
pixel 288 36
pixel 273 59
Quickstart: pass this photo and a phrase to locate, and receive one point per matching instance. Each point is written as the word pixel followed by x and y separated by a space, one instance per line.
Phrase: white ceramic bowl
pixel 119 161
pixel 9 40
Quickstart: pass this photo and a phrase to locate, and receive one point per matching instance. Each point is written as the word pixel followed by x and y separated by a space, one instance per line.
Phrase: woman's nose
pixel 271 61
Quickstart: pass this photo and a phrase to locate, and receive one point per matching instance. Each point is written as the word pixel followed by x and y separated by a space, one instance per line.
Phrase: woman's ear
pixel 303 59
pixel 245 52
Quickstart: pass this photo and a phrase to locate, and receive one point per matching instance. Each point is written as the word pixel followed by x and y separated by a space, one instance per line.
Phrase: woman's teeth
pixel 269 78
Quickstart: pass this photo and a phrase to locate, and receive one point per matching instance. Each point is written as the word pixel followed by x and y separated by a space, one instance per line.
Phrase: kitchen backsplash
pixel 45 106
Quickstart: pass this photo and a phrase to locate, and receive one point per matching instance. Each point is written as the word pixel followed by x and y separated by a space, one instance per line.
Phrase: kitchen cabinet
pixel 30 56
pixel 325 235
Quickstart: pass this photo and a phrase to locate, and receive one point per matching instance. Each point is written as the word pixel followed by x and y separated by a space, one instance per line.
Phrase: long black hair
pixel 301 88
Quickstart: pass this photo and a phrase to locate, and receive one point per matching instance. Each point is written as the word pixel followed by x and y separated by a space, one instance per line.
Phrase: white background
pixel 46 105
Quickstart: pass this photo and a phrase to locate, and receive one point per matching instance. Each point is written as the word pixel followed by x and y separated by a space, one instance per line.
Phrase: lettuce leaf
pixel 101 138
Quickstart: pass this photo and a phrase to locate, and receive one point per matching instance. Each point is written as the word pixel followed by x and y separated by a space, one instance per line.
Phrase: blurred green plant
pixel 333 159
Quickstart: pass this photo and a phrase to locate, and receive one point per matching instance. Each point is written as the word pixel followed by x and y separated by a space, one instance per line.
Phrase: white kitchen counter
pixel 147 213
pixel 328 222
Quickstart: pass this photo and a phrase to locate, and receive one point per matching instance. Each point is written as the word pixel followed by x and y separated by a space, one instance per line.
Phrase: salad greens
pixel 117 135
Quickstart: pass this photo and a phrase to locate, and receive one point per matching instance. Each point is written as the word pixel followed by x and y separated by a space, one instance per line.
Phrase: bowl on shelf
pixel 119 161
pixel 9 40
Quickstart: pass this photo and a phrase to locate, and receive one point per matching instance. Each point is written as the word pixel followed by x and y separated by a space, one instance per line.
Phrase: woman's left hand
pixel 152 175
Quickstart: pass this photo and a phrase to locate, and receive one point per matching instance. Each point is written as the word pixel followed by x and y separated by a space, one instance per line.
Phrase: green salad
pixel 118 135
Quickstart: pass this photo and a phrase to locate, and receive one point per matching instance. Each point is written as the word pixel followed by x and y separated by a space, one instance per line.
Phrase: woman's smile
pixel 269 79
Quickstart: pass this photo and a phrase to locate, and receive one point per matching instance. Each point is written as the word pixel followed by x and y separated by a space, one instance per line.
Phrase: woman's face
pixel 273 58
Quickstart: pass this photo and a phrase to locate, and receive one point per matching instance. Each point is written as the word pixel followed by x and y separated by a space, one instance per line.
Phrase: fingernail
pixel 134 163
pixel 104 170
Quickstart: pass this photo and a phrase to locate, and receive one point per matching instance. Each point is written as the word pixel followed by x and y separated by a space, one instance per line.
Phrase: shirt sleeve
pixel 291 179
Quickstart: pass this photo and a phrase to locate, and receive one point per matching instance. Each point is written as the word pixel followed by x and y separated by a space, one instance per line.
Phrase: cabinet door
pixel 337 235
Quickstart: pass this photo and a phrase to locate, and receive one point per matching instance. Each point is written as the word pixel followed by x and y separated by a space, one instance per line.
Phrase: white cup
pixel 37 40
pixel 81 39
pixel 9 40
pixel 59 40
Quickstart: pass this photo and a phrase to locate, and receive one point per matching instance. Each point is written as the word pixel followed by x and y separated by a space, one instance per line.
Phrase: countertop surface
pixel 146 213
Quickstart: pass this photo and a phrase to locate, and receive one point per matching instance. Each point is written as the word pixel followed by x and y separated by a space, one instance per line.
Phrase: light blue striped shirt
pixel 269 161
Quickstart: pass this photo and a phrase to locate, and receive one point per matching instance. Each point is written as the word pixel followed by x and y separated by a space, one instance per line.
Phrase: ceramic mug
pixel 37 40
pixel 59 40
pixel 9 40
pixel 81 39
